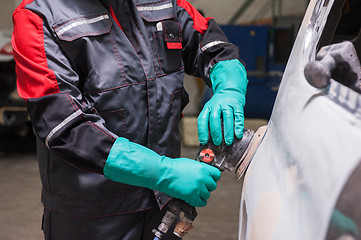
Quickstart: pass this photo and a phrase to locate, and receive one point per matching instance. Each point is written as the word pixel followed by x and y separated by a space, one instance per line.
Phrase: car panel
pixel 309 151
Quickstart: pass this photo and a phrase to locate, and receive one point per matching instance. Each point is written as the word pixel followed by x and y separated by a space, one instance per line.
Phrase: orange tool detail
pixel 207 155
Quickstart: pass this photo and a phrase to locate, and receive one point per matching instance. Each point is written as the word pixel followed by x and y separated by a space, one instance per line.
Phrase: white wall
pixel 6 10
pixel 221 10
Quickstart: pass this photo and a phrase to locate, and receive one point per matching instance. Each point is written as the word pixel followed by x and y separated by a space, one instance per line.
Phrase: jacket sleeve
pixel 204 43
pixel 62 119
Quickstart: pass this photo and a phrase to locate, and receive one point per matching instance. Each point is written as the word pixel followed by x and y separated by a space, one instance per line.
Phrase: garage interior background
pixel 230 12
pixel 222 11
pixel 20 205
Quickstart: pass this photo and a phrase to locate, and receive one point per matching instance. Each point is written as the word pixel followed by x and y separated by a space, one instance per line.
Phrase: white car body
pixel 310 149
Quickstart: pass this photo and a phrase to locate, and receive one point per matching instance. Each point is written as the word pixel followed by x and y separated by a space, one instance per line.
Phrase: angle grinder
pixel 235 157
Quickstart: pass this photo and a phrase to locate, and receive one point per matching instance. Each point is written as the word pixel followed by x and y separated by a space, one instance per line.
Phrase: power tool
pixel 235 157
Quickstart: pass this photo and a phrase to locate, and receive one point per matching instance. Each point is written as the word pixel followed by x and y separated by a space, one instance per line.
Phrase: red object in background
pixel 7 49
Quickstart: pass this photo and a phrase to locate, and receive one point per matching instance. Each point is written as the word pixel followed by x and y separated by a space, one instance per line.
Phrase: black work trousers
pixel 130 226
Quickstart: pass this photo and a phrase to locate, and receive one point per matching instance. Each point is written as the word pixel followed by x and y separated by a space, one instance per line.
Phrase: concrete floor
pixel 20 206
pixel 21 210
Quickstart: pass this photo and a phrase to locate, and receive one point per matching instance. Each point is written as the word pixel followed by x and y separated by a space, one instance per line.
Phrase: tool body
pixel 176 208
pixel 235 157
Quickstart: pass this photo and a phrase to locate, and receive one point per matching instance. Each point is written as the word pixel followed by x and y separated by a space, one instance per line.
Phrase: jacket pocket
pixel 93 25
pixel 155 11
pixel 165 33
pixel 115 121
pixel 168 46
pixel 90 46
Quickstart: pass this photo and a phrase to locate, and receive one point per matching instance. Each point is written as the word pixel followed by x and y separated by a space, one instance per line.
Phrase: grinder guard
pixel 235 157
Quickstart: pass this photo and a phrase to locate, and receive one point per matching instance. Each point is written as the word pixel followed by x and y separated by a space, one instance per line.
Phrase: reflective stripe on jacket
pixel 95 70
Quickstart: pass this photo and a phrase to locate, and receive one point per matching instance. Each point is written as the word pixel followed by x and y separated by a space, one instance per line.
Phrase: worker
pixel 103 83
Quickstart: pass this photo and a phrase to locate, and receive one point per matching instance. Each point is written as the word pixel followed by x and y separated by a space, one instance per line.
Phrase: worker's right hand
pixel 182 178
pixel 188 180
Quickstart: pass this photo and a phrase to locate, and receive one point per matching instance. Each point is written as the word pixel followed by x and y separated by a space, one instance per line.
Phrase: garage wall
pixel 221 10
pixel 6 10
pixel 224 10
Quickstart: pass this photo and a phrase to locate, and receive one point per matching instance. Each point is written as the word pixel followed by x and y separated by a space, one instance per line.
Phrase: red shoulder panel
pixel 35 79
pixel 200 23
pixel 23 4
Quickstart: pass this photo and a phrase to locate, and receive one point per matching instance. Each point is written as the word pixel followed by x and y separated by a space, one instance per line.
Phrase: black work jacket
pixel 92 71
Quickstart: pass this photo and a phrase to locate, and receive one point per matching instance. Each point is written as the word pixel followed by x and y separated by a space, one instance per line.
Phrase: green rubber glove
pixel 182 178
pixel 229 84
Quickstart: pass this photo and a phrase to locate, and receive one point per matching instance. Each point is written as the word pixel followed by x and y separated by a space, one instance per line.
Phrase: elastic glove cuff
pixel 132 164
pixel 182 178
pixel 229 75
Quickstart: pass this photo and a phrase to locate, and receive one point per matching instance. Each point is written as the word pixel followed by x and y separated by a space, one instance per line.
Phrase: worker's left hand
pixel 229 84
